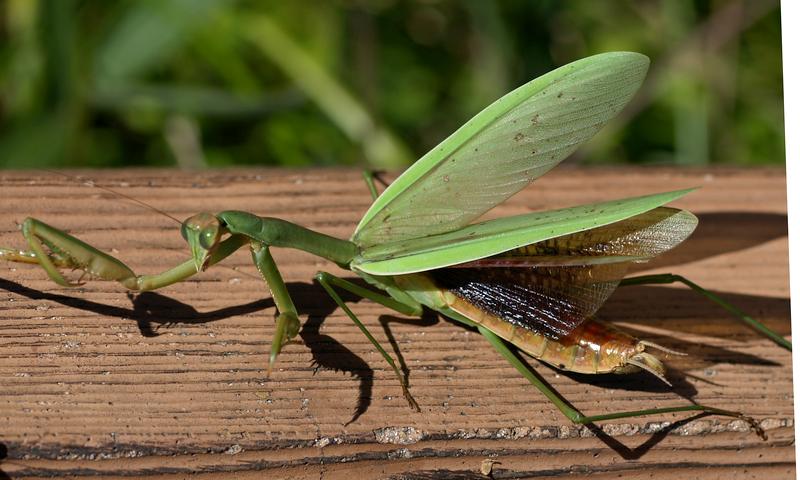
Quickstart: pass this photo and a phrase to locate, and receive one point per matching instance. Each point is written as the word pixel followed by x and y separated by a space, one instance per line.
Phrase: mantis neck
pixel 280 233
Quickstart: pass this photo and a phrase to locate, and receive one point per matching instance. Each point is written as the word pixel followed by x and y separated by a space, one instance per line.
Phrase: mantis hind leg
pixel 328 281
pixel 577 417
pixel 748 320
pixel 66 251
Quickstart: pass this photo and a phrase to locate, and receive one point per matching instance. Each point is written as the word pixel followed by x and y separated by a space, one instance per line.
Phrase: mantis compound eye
pixel 208 238
pixel 184 233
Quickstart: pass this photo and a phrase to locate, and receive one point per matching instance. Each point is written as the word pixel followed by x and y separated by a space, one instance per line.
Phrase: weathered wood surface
pixel 170 383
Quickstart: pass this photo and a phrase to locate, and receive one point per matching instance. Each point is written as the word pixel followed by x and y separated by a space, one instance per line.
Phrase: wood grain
pixel 165 384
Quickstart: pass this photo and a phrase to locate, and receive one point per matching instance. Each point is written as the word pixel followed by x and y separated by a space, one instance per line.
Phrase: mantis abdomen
pixel 593 347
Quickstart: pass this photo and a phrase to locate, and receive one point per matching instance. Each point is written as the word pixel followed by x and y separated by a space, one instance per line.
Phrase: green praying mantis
pixel 533 281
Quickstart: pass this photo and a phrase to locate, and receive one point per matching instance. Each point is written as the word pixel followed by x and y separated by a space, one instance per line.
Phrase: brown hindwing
pixel 551 287
pixel 551 300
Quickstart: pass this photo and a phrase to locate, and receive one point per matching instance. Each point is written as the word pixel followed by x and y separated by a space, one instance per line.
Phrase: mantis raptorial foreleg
pixel 665 278
pixel 328 281
pixel 287 323
pixel 67 251
pixel 577 417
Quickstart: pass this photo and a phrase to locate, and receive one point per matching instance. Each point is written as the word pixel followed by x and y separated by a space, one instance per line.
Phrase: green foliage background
pixel 195 83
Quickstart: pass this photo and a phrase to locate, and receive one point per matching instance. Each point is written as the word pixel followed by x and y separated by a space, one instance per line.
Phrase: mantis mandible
pixel 533 281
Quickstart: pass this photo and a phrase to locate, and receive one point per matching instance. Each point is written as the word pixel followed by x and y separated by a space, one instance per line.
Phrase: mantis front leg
pixel 287 322
pixel 67 251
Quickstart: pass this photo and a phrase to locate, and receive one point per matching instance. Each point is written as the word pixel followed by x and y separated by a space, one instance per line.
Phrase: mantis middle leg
pixel 369 179
pixel 328 281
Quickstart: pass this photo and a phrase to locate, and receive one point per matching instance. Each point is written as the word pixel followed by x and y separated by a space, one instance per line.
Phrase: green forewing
pixel 500 235
pixel 502 149
pixel 551 287
pixel 635 239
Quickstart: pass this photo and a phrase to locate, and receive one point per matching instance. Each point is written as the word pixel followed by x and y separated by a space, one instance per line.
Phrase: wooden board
pixel 96 382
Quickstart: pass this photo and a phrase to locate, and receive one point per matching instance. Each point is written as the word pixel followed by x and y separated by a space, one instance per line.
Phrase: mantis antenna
pixel 91 183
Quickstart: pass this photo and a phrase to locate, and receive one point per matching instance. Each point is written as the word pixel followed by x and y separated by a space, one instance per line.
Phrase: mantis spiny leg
pixel 665 278
pixel 328 281
pixel 67 251
pixel 287 323
pixel 577 417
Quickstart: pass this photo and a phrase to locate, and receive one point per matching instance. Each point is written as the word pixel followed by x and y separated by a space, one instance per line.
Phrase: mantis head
pixel 202 232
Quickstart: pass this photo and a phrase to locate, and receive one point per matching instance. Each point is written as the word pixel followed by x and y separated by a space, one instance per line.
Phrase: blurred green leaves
pixel 196 83
pixel 147 35
pixel 379 146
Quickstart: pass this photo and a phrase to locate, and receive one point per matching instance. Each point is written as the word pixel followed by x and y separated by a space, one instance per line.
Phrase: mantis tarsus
pixel 532 280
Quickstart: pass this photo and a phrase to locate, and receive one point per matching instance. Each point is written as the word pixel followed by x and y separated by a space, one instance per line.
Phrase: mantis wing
pixel 502 149
pixel 551 287
pixel 635 239
pixel 493 237
pixel 548 300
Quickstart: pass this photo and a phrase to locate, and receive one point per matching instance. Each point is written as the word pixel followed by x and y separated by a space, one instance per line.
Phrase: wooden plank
pixel 162 384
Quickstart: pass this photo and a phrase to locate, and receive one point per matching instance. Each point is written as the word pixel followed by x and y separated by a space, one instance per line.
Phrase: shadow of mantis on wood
pixel 153 312
pixel 533 280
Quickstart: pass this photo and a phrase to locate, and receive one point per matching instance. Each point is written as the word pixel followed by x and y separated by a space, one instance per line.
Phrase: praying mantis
pixel 533 281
